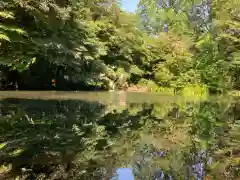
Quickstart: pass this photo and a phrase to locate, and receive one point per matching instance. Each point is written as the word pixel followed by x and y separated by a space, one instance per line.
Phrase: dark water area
pixel 118 136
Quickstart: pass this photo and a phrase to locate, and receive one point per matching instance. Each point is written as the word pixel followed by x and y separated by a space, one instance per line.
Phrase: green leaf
pixel 16 152
pixel 2 145
pixel 4 37
pixel 136 70
pixel 7 15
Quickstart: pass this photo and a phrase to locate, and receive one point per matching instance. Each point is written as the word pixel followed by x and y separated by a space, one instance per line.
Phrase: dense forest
pixel 95 45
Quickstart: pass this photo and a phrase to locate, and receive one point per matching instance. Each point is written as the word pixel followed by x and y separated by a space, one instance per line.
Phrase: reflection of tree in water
pixel 68 136
pixel 89 140
pixel 194 157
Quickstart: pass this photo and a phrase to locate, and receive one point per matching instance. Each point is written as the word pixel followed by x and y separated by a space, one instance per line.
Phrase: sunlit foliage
pixel 93 44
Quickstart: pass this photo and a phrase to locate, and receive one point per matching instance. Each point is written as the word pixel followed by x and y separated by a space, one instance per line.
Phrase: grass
pixel 153 87
pixel 191 90
pixel 194 90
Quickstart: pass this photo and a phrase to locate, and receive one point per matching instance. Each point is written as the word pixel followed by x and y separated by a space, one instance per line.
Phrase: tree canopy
pixel 94 44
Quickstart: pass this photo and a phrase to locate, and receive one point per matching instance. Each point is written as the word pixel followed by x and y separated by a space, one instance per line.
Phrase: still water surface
pixel 118 136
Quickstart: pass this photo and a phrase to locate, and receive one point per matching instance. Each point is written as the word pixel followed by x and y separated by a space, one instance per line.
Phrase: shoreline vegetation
pixel 94 45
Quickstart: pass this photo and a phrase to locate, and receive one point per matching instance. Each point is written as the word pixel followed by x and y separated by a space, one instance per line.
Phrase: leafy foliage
pixel 93 44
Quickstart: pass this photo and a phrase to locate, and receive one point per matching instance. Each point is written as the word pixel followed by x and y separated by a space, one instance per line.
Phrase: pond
pixel 118 136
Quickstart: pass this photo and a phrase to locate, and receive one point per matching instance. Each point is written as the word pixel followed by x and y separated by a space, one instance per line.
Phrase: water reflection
pixel 82 139
pixel 123 174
